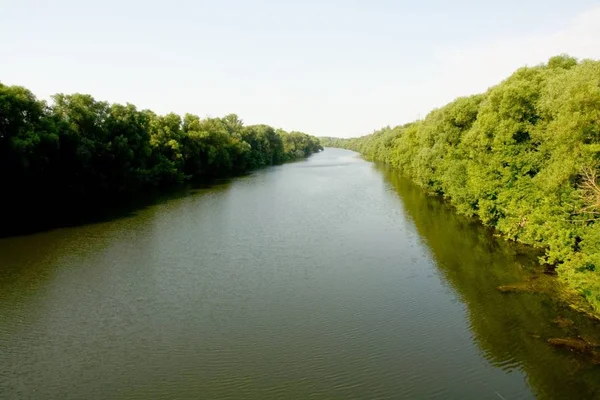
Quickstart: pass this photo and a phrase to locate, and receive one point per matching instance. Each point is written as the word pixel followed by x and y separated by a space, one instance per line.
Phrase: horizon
pixel 325 69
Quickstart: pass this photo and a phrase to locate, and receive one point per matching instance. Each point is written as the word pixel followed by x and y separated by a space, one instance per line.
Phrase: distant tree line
pixel 523 157
pixel 77 152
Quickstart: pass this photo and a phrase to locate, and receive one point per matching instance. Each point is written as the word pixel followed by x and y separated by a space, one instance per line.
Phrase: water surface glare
pixel 330 278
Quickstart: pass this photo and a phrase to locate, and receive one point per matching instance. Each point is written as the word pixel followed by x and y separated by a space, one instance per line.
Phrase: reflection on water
pixel 326 278
pixel 511 330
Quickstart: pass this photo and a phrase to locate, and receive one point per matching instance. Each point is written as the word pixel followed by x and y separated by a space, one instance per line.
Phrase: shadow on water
pixel 31 258
pixel 99 210
pixel 54 212
pixel 510 329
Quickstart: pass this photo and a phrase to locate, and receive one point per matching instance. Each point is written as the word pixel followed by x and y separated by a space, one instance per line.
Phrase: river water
pixel 329 278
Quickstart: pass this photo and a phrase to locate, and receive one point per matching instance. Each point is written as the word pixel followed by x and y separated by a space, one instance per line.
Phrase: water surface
pixel 331 278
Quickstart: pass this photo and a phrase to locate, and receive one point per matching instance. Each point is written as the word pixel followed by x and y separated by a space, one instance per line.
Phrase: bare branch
pixel 589 189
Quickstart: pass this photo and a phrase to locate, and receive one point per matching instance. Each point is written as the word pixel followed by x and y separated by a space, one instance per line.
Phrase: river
pixel 329 278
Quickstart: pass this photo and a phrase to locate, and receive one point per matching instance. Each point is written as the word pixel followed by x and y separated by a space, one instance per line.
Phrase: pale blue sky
pixel 339 68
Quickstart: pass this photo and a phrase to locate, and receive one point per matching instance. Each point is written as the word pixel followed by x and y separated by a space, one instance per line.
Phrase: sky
pixel 328 68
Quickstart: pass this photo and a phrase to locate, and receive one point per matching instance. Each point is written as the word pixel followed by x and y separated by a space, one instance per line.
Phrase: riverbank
pixel 563 291
pixel 79 156
pixel 541 280
pixel 522 158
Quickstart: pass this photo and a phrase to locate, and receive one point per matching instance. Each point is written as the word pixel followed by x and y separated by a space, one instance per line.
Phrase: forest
pixel 77 153
pixel 523 157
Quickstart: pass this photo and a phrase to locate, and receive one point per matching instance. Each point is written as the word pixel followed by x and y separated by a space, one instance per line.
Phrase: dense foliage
pixel 79 152
pixel 524 158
